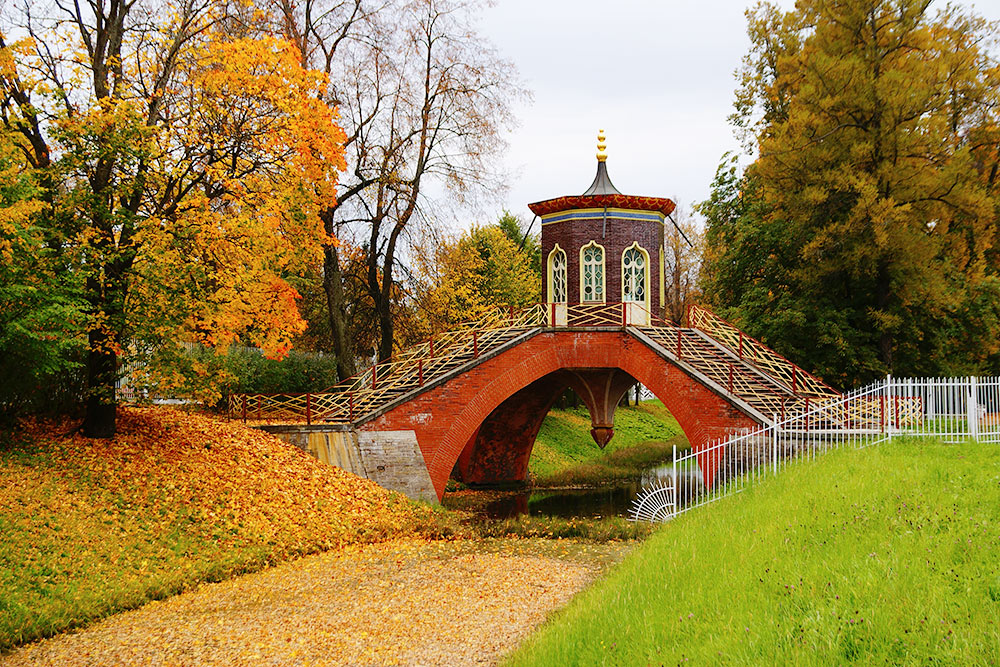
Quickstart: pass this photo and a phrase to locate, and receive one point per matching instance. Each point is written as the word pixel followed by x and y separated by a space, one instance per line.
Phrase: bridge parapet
pixel 739 364
pixel 751 350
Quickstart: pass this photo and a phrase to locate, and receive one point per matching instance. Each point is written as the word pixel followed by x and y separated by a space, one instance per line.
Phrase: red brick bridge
pixel 469 404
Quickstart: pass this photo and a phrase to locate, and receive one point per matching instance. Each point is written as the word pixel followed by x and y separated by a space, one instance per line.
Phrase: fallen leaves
pixel 440 603
pixel 96 526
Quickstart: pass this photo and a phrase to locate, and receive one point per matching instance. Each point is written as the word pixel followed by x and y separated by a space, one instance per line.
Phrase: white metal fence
pixel 951 408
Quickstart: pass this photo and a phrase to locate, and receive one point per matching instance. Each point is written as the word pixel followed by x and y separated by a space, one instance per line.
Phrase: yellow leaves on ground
pixel 402 603
pixel 95 526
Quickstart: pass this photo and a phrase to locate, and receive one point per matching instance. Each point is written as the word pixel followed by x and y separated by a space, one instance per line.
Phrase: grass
pixel 93 527
pixel 885 555
pixel 606 529
pixel 565 455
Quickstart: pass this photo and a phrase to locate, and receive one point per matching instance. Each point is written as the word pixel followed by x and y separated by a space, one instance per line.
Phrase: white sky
pixel 656 75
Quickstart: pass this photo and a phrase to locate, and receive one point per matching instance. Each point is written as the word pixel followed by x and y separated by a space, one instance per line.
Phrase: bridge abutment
pixel 391 459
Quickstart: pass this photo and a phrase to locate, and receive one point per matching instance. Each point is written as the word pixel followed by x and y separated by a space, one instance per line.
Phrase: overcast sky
pixel 656 75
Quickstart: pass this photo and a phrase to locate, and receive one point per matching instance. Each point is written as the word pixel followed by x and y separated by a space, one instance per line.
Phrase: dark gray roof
pixel 602 185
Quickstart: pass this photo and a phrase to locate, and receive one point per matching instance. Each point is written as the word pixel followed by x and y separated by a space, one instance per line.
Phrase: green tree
pixel 41 315
pixel 860 237
pixel 527 242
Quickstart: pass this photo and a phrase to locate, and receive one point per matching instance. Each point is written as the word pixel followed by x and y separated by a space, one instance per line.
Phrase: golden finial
pixel 601 155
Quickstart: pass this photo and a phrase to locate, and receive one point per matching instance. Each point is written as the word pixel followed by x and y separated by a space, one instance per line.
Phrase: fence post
pixel 741 345
pixel 350 406
pixel 308 409
pixel 374 374
pixel 774 444
pixel 973 408
pixel 673 474
pixel 420 371
pixel 552 316
pixel 794 388
pixel 884 419
pixel 432 346
pixel 624 314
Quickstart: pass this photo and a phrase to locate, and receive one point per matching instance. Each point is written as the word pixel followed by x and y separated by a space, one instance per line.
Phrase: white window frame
pixel 604 273
pixel 556 251
pixel 645 275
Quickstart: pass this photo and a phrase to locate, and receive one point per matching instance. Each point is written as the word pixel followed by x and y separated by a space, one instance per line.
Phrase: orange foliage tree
pixel 182 166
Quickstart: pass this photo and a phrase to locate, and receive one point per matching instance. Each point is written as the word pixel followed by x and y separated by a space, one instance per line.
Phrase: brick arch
pixel 447 417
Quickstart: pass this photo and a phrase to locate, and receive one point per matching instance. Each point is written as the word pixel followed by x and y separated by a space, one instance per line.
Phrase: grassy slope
pixel 93 527
pixel 886 555
pixel 565 453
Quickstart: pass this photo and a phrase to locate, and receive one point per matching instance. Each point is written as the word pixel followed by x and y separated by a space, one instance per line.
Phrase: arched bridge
pixel 470 403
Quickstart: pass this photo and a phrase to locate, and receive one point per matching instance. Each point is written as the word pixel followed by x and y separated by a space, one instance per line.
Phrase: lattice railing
pixel 766 396
pixel 411 369
pixel 770 384
pixel 753 351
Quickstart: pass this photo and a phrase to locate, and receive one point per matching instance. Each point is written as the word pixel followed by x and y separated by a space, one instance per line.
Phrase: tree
pixel 530 244
pixel 183 165
pixel 464 278
pixel 423 99
pixel 40 314
pixel 682 266
pixel 870 209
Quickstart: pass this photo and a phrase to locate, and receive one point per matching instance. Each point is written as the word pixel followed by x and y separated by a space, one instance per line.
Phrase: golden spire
pixel 601 155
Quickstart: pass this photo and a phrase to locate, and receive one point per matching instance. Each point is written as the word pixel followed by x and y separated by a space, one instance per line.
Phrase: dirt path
pixel 407 603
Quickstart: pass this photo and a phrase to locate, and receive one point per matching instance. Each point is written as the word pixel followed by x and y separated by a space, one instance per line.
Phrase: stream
pixel 613 499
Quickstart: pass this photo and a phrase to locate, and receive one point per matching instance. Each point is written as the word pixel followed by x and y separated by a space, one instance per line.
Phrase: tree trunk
pixel 100 419
pixel 333 286
pixel 383 295
pixel 385 330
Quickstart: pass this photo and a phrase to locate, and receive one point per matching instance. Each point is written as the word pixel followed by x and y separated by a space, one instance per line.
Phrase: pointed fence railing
pixel 954 409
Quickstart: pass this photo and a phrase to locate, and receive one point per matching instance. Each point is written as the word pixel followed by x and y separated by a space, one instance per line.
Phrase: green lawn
pixel 885 555
pixel 564 452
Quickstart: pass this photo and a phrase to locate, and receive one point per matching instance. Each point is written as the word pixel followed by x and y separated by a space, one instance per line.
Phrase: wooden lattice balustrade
pixel 736 363
pixel 756 353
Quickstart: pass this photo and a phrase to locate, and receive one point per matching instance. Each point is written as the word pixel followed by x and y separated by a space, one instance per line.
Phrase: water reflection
pixel 612 500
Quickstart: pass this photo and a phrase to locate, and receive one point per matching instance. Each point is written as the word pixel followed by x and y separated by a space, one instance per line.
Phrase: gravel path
pixel 407 603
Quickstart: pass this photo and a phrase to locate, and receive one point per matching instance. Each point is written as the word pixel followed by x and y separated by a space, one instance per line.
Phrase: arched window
pixel 635 274
pixel 557 275
pixel 592 272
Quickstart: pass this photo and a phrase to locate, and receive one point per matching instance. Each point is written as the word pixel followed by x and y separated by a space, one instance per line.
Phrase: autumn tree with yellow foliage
pixel 863 238
pixel 464 277
pixel 180 164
